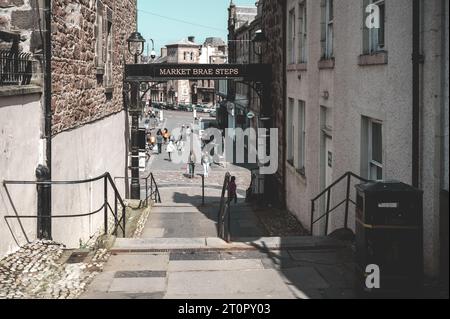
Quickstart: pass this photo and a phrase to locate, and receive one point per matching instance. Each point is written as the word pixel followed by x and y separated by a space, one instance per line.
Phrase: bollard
pixel 203 190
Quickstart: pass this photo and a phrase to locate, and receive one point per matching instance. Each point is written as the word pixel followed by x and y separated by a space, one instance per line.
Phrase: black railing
pixel 328 192
pixel 15 68
pixel 119 221
pixel 224 218
pixel 151 189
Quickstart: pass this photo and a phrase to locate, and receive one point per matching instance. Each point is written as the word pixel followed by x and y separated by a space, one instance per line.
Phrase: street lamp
pixel 136 45
pixel 135 48
pixel 258 42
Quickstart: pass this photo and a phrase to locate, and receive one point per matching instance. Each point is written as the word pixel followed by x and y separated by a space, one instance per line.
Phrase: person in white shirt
pixel 206 162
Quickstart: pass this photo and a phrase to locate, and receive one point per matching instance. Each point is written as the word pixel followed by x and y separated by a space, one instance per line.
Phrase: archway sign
pixel 257 73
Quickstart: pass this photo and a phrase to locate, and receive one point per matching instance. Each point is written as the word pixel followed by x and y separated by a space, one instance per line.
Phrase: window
pixel 372 147
pixel 99 56
pixel 291 130
pixel 375 151
pixel 192 56
pixel 374 38
pixel 300 164
pixel 327 29
pixel 303 39
pixel 291 37
pixel 108 79
pixel 185 55
pixel 297 135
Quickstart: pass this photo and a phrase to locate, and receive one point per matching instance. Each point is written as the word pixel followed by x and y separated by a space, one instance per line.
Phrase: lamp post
pixel 135 48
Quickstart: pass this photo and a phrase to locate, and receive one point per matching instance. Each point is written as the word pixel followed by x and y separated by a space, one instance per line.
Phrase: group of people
pixel 162 137
pixel 206 162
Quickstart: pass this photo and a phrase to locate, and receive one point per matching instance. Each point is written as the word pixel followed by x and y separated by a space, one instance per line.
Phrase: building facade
pixel 89 123
pixel 349 106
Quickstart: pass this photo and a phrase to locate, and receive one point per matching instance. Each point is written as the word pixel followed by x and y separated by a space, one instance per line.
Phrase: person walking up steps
pixel 191 162
pixel 206 162
pixel 170 149
pixel 159 141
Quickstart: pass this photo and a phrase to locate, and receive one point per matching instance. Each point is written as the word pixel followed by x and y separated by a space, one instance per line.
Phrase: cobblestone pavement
pixel 41 270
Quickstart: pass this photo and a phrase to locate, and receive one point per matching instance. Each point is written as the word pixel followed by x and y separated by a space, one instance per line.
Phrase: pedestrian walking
pixel 191 162
pixel 159 141
pixel 170 149
pixel 232 190
pixel 206 162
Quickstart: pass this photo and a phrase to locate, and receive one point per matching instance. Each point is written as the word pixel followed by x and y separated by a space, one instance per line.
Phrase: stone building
pixel 267 106
pixel 213 51
pixel 239 41
pixel 185 51
pixel 89 123
pixel 349 107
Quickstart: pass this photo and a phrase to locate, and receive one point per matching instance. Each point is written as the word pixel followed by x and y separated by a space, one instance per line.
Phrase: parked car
pixel 182 107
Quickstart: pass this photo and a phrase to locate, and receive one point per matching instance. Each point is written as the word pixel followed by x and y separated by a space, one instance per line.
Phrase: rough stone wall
pixel 20 17
pixel 79 95
pixel 273 24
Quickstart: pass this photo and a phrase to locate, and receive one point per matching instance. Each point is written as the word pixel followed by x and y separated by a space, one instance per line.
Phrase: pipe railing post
pixel 203 190
pixel 105 185
pixel 124 221
pixel 116 215
pixel 146 192
pixel 347 203
pixel 313 208
pixel 327 218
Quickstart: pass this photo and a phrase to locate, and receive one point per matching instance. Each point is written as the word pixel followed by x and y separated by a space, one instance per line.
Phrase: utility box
pixel 389 228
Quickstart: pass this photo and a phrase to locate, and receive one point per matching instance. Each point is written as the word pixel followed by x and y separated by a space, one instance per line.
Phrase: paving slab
pixel 124 244
pixel 256 282
pixel 138 285
pixel 137 262
pixel 305 278
pixel 101 283
pixel 214 265
pixel 153 233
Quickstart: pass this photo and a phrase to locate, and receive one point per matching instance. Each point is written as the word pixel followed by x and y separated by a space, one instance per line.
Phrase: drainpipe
pixel 417 60
pixel 45 173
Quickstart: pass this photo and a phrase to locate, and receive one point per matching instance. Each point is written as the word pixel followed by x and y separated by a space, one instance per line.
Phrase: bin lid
pixel 386 186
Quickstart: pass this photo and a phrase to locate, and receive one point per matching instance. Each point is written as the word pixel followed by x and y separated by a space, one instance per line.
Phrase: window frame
pixel 371 162
pixel 371 37
pixel 301 136
pixel 292 36
pixel 291 132
pixel 109 48
pixel 329 29
pixel 303 32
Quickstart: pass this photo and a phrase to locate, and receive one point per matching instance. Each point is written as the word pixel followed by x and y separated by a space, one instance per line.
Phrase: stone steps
pixel 126 245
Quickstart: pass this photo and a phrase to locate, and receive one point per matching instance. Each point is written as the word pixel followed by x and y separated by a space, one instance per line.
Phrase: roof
pixel 183 42
pixel 245 15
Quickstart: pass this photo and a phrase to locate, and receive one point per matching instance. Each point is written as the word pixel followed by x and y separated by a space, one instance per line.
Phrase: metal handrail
pixel 118 222
pixel 346 201
pixel 151 192
pixel 224 211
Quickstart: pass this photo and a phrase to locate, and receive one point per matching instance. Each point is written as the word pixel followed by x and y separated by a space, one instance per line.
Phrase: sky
pixel 167 21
